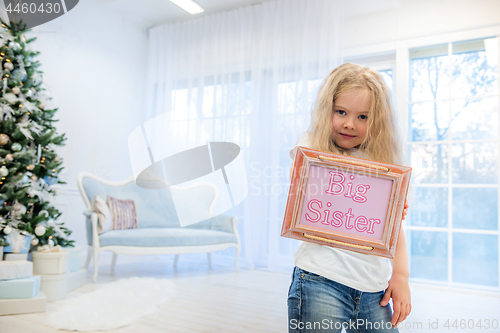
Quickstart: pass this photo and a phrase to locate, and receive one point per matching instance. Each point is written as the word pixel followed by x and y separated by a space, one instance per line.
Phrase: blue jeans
pixel 317 304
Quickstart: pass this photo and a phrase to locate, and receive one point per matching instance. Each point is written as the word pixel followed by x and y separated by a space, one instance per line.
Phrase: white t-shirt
pixel 364 272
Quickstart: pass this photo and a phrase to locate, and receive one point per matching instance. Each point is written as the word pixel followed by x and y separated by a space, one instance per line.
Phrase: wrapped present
pixel 74 258
pixel 15 269
pixel 20 242
pixel 10 306
pixel 54 286
pixel 20 288
pixel 49 262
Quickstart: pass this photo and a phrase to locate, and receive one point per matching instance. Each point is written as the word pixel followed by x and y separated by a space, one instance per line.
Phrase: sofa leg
pixel 89 254
pixel 96 266
pixel 209 259
pixel 236 258
pixel 113 262
pixel 176 259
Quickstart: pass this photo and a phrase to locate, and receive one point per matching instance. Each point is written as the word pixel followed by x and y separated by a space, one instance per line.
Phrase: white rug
pixel 112 305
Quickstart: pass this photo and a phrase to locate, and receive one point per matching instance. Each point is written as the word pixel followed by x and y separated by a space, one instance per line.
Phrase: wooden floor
pixel 217 299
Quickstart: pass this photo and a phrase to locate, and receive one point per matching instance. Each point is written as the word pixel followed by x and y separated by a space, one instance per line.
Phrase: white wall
pixel 94 64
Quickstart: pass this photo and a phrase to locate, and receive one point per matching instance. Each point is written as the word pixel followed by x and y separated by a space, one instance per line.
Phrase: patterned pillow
pixel 123 212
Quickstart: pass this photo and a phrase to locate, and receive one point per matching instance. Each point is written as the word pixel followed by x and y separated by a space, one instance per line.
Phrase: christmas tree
pixel 28 162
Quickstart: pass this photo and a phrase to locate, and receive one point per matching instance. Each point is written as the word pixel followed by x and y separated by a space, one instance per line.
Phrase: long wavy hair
pixel 382 139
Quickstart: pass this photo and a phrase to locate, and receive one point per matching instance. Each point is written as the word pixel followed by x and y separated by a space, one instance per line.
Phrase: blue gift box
pixel 20 288
pixel 18 242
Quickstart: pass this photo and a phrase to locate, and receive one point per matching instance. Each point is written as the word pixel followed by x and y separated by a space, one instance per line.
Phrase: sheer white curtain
pixel 251 76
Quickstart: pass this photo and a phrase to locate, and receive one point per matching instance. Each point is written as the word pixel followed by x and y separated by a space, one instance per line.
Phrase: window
pixel 452 226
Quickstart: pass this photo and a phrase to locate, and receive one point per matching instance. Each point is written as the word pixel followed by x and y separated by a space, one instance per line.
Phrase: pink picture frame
pixel 346 202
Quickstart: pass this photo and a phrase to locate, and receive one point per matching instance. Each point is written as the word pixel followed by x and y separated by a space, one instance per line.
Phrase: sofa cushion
pixel 155 207
pixel 155 237
pixel 123 212
pixel 104 218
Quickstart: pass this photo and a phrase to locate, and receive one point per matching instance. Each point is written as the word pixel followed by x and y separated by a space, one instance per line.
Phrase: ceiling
pixel 155 12
pixel 148 13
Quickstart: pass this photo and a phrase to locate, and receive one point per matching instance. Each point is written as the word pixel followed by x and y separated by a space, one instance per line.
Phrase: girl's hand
pixel 405 210
pixel 399 291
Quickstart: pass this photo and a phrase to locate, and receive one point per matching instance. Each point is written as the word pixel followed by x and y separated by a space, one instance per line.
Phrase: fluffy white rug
pixel 112 305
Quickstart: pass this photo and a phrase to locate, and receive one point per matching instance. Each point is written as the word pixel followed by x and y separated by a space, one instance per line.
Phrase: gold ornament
pixel 34 178
pixel 30 167
pixel 56 159
pixel 4 139
pixel 9 157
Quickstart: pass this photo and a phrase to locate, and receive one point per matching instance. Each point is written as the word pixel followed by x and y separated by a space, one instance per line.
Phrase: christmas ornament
pixel 25 179
pixel 14 46
pixel 16 90
pixel 9 157
pixel 4 139
pixel 34 241
pixel 16 146
pixel 7 230
pixel 43 213
pixel 4 171
pixel 30 167
pixel 29 93
pixel 40 230
pixel 42 105
pixel 19 209
pixel 50 242
pixel 56 159
pixel 50 180
pixel 19 75
pixel 34 178
pixel 10 97
pixel 24 118
pixel 8 65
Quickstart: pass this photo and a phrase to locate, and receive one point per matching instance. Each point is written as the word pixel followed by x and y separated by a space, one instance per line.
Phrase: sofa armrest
pixel 91 227
pixel 87 212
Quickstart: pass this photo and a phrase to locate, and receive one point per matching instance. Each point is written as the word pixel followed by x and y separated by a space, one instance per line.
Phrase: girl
pixel 334 288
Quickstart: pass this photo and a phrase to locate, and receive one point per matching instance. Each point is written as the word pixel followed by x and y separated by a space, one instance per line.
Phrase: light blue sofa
pixel 159 230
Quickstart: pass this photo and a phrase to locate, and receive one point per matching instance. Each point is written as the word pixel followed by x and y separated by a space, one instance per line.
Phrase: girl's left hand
pixel 399 291
pixel 405 210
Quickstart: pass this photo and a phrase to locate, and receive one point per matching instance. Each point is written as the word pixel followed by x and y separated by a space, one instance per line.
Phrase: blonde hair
pixel 382 140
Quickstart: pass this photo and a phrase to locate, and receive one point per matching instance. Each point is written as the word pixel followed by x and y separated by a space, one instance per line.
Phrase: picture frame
pixel 346 202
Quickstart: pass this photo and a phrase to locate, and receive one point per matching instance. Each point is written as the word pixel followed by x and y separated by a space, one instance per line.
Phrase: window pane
pixel 429 255
pixel 473 74
pixel 429 78
pixel 387 76
pixel 429 163
pixel 475 119
pixel 429 121
pixel 428 207
pixel 475 163
pixel 475 208
pixel 475 259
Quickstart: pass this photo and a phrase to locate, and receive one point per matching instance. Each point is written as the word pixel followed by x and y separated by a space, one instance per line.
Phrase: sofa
pixel 159 229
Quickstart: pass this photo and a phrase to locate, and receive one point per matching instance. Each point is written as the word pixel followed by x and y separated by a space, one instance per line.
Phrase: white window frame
pixel 401 79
